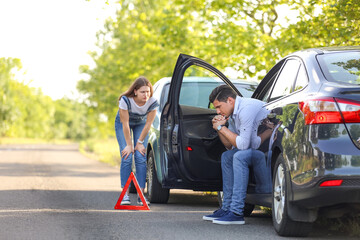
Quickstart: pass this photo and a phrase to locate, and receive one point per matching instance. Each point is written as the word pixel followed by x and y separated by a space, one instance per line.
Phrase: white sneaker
pixel 126 200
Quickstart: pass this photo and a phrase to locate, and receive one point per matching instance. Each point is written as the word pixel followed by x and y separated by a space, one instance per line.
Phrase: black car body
pixel 314 98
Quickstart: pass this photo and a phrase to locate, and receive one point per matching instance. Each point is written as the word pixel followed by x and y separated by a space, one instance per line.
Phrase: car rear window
pixel 341 67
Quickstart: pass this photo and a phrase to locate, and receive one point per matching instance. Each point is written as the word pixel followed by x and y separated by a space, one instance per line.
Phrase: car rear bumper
pixel 318 197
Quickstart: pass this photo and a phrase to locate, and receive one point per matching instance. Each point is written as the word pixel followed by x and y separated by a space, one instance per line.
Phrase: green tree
pixel 75 120
pixel 325 23
pixel 147 36
pixel 31 112
pixel 8 67
pixel 145 39
pixel 26 112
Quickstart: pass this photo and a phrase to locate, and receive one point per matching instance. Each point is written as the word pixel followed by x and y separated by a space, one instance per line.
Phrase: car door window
pixel 268 88
pixel 285 81
pixel 302 79
pixel 157 93
pixel 164 96
pixel 197 86
pixel 263 91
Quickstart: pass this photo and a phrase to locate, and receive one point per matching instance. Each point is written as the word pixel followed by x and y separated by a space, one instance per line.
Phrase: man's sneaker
pixel 217 214
pixel 126 200
pixel 230 218
pixel 139 202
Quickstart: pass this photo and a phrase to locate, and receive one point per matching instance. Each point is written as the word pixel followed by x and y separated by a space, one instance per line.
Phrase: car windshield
pixel 197 93
pixel 203 90
pixel 341 67
pixel 245 90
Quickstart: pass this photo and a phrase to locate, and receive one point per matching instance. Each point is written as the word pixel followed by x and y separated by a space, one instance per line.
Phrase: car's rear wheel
pixel 132 188
pixel 156 194
pixel 248 209
pixel 283 225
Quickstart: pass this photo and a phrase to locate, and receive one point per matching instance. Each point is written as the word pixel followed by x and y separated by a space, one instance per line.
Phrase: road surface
pixel 54 192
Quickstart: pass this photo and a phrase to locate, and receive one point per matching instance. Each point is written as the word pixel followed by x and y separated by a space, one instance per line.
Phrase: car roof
pixel 324 50
pixel 205 79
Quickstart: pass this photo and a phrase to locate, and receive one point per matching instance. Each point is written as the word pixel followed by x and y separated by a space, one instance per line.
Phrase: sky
pixel 52 39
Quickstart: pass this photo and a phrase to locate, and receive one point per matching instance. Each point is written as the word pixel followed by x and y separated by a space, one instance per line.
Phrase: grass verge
pixel 105 150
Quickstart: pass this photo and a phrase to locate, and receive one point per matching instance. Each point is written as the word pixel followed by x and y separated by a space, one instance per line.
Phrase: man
pixel 244 115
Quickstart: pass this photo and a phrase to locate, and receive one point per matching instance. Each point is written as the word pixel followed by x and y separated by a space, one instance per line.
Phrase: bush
pixel 104 150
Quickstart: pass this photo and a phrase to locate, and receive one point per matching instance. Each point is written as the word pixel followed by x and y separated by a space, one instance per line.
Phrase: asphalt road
pixel 54 192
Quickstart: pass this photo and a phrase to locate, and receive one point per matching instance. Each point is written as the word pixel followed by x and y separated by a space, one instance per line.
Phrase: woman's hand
pixel 140 147
pixel 126 151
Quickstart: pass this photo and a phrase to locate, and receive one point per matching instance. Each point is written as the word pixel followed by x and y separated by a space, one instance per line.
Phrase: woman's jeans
pixel 140 160
pixel 235 165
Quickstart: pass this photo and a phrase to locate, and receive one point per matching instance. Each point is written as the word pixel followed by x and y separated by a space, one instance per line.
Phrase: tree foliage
pixel 7 68
pixel 26 112
pixel 147 36
pixel 338 24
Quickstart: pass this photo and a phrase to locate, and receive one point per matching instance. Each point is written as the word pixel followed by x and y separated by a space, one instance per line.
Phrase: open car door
pixel 190 148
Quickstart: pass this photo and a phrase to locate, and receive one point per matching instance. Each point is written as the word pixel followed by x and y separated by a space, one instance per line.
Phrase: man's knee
pixel 227 156
pixel 243 156
pixel 258 155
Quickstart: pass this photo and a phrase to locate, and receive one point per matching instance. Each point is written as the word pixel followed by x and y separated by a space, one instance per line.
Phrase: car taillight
pixel 331 183
pixel 330 110
pixel 350 110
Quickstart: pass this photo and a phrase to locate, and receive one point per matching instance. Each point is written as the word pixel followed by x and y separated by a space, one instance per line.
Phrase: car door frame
pixel 170 147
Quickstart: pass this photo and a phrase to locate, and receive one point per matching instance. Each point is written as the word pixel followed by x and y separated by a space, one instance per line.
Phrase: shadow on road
pixel 96 200
pixel 41 169
pixel 39 147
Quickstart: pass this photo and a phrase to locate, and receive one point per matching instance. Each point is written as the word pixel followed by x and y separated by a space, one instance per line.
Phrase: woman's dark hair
pixel 138 83
pixel 221 93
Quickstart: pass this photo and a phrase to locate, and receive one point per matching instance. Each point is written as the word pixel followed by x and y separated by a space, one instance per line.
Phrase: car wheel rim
pixel 279 194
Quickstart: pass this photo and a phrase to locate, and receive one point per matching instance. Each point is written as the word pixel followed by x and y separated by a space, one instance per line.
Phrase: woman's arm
pixel 149 120
pixel 124 118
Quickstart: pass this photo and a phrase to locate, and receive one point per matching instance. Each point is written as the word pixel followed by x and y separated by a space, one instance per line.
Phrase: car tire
pixel 283 225
pixel 132 188
pixel 156 194
pixel 248 209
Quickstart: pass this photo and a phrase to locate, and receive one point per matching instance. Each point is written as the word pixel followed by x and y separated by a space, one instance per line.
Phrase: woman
pixel 137 110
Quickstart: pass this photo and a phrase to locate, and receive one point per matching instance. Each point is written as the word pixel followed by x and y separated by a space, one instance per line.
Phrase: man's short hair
pixel 221 93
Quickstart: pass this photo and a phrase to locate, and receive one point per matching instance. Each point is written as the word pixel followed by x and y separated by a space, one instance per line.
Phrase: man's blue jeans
pixel 140 160
pixel 235 165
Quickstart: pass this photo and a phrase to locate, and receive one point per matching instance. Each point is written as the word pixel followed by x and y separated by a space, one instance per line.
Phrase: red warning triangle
pixel 141 195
